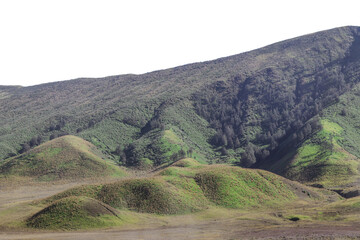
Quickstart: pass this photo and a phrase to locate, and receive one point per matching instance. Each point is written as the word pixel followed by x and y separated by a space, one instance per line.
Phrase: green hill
pixel 67 157
pixel 179 189
pixel 75 213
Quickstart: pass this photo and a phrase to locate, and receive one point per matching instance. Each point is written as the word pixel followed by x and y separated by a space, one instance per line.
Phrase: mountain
pixel 66 157
pixel 271 108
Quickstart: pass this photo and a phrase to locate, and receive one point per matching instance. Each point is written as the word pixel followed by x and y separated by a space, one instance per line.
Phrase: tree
pixel 190 152
pixel 174 157
pixel 118 150
pixel 181 154
pixel 122 159
pixel 25 148
pixel 223 151
pixel 273 143
pixel 53 136
pixel 237 143
pixel 33 142
pixel 248 156
pixel 39 140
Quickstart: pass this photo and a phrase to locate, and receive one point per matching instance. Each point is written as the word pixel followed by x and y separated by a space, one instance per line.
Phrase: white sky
pixel 48 40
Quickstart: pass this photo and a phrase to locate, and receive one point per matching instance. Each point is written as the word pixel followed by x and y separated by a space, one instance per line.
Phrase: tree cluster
pixel 267 107
pixel 34 141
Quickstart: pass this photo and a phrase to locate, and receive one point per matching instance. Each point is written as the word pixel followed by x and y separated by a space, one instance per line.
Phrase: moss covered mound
pixel 186 162
pixel 151 195
pixel 180 190
pixel 67 157
pixel 238 188
pixel 74 213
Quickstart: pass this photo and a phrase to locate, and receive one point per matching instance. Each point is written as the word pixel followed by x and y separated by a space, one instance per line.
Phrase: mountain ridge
pixel 350 27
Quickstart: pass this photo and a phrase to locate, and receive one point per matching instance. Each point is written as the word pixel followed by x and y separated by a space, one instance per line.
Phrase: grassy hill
pixel 75 213
pixel 180 189
pixel 67 157
pixel 185 187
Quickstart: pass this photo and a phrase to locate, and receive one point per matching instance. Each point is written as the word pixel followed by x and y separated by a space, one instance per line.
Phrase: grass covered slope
pixel 330 157
pixel 322 160
pixel 74 213
pixel 240 188
pixel 154 195
pixel 67 157
pixel 187 187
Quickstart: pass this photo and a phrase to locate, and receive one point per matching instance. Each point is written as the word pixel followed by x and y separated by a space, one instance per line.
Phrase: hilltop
pixel 67 157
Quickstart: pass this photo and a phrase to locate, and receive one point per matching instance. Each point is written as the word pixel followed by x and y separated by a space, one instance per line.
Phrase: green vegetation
pixel 239 188
pixel 235 109
pixel 179 190
pixel 67 157
pixel 154 195
pixel 187 163
pixel 291 108
pixel 74 213
pixel 321 159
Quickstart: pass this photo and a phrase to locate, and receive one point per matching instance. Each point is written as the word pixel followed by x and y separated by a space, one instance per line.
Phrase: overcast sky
pixel 44 41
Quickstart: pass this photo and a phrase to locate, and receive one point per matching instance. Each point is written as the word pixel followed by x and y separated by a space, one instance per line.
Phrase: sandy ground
pixel 32 192
pixel 201 231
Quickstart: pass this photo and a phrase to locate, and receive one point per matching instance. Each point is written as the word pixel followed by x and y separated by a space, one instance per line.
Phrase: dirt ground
pixel 232 226
pixel 200 231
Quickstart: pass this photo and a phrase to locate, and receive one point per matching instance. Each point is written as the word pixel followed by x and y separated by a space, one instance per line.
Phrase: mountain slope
pixel 67 157
pixel 329 157
pixel 235 109
pixel 320 160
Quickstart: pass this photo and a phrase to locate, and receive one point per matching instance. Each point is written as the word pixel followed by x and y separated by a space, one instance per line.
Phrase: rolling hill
pixel 67 157
pixel 186 187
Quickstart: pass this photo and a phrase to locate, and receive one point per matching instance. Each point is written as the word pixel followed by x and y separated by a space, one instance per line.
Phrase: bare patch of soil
pixel 210 230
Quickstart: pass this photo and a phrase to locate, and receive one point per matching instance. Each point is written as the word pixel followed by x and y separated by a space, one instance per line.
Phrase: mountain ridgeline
pixel 252 109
